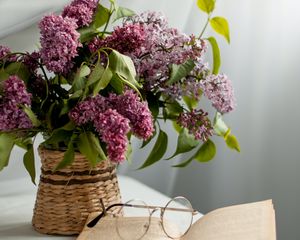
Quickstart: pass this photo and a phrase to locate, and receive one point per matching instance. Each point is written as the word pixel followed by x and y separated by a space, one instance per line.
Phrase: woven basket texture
pixel 66 197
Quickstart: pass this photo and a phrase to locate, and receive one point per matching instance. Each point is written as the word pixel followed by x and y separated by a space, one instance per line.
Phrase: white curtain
pixel 262 62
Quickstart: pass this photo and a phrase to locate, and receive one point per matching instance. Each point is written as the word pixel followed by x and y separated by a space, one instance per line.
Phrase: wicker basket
pixel 66 197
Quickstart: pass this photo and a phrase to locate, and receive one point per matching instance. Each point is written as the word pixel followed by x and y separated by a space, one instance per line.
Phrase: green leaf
pixel 103 82
pixel 185 143
pixel 95 74
pixel 183 164
pixel 129 153
pixel 19 69
pixel 153 104
pixel 87 33
pixel 3 75
pixel 32 116
pixel 23 142
pixel 128 83
pixel 221 26
pixel 220 127
pixel 6 146
pixel 180 71
pixel 101 16
pixel 191 102
pixel 206 5
pixel 176 126
pixel 173 109
pixel 28 161
pixel 206 152
pixel 57 136
pixel 89 146
pixel 158 150
pixel 117 84
pixel 216 55
pixel 122 13
pixel 232 142
pixel 68 157
pixel 123 66
pixel 79 79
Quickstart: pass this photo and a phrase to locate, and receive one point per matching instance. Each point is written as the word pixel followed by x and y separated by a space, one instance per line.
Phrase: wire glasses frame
pixel 153 209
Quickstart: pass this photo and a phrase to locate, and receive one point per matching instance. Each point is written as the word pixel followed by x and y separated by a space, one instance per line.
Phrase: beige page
pixel 254 221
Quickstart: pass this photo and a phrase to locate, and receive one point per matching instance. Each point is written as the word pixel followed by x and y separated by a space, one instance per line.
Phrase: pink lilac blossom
pixel 113 128
pixel 218 89
pixel 92 4
pixel 15 94
pixel 131 107
pixel 197 123
pixel 125 39
pixel 59 40
pixel 81 13
pixel 87 110
pixel 4 51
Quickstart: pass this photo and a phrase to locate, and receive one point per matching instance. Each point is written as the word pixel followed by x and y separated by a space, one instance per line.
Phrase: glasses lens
pixel 177 217
pixel 136 222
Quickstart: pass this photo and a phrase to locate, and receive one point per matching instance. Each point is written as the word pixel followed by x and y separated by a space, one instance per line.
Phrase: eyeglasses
pixel 176 217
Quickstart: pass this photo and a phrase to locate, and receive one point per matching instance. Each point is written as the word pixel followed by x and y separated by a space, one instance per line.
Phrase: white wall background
pixel 262 62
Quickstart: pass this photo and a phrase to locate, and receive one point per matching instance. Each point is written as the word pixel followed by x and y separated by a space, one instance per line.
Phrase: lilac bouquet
pixel 89 89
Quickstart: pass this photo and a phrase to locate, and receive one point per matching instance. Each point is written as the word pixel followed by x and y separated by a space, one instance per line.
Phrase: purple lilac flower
pixel 92 4
pixel 81 13
pixel 87 110
pixel 125 39
pixel 15 94
pixel 15 91
pixel 113 128
pixel 197 123
pixel 218 88
pixel 31 61
pixel 6 50
pixel 131 107
pixel 59 40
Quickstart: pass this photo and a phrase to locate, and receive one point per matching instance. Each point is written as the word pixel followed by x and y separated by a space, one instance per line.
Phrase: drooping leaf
pixel 89 146
pixel 3 75
pixel 122 12
pixel 158 150
pixel 23 142
pixel 79 79
pixel 6 145
pixel 216 54
pixel 185 143
pixel 29 164
pixel 206 152
pixel 19 69
pixel 184 163
pixel 173 109
pixel 176 126
pixel 123 66
pixel 191 102
pixel 220 127
pixel 117 84
pixel 232 142
pixel 95 74
pixel 68 157
pixel 129 153
pixel 58 135
pixel 87 33
pixel 130 84
pixel 206 5
pixel 103 82
pixel 153 104
pixel 101 16
pixel 221 26
pixel 33 118
pixel 180 71
pixel 145 142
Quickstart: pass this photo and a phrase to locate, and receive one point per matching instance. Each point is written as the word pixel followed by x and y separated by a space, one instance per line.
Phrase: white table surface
pixel 17 199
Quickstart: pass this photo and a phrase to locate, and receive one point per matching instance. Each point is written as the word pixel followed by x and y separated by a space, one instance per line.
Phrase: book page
pixel 254 221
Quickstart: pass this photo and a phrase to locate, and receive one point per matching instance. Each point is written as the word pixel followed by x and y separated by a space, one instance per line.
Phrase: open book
pixel 253 221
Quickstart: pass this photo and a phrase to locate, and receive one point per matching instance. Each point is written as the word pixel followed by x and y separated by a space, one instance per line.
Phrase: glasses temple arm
pixel 93 222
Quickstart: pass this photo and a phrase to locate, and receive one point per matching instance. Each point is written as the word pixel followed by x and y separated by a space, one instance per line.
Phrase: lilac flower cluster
pixel 3 53
pixel 113 128
pixel 15 94
pixel 218 88
pixel 81 11
pixel 113 117
pixel 59 41
pixel 125 39
pixel 131 107
pixel 197 123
